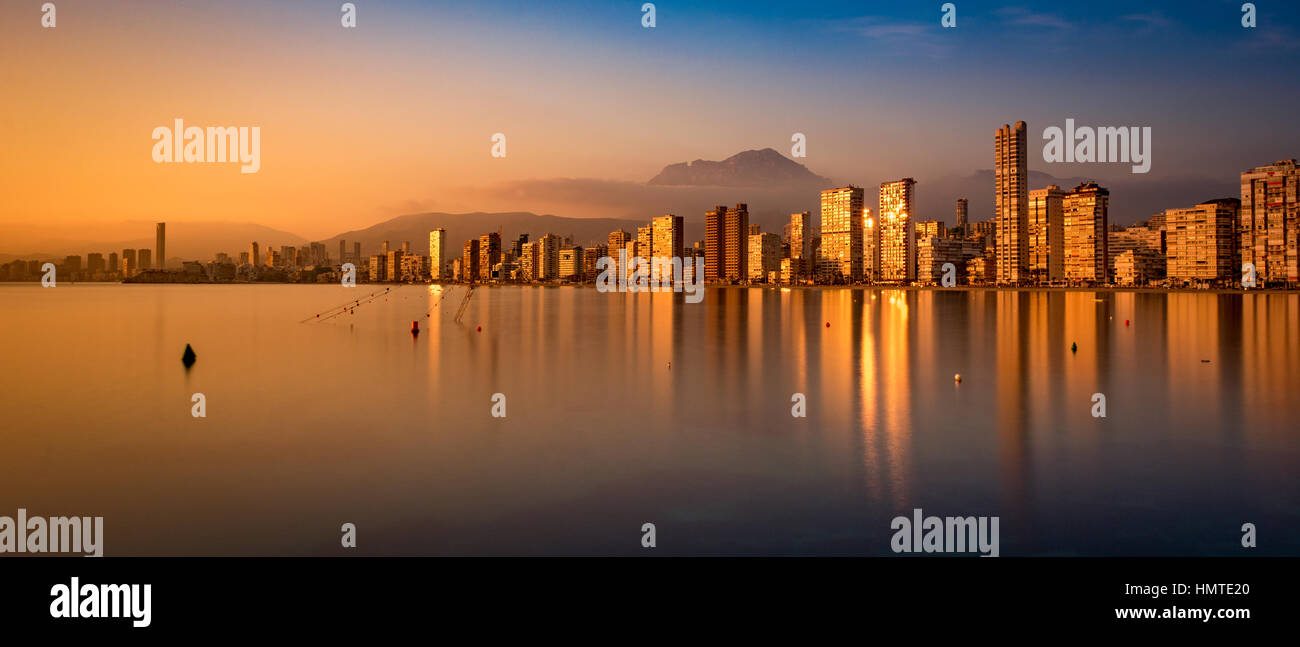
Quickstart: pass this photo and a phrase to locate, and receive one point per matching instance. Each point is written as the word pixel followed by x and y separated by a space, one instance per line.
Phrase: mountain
pixel 415 228
pixel 752 168
pixel 185 240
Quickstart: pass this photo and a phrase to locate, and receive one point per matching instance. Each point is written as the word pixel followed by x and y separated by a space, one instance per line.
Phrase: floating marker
pixel 188 357
pixel 1074 348
pixel 1126 322
pixel 828 324
pixel 480 329
pixel 957 377
pixel 415 327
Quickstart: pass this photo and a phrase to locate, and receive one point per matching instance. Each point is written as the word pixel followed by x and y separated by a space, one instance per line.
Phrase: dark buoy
pixel 188 357
pixel 1074 348
pixel 415 327
pixel 828 324
pixel 480 329
pixel 1126 322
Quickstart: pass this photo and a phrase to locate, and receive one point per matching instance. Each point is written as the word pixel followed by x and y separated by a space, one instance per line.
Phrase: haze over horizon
pixel 395 117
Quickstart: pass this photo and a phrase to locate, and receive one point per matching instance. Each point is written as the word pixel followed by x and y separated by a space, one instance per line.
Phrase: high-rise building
pixel 469 260
pixel 356 253
pixel 394 265
pixel 1201 242
pixel 128 263
pixel 870 247
pixel 667 239
pixel 160 244
pixel 113 265
pixel 842 223
pixel 528 261
pixel 1085 213
pixel 928 228
pixel 378 268
pixel 548 257
pixel 896 231
pixel 591 258
pixel 1011 203
pixel 962 210
pixel 1046 235
pixel 931 254
pixel 438 254
pixel 1270 222
pixel 571 263
pixel 94 263
pixel 144 259
pixel 254 257
pixel 764 256
pixel 736 233
pixel 618 240
pixel 798 235
pixel 489 253
pixel 715 249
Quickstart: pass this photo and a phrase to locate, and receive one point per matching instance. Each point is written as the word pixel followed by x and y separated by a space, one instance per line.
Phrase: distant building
pixel 160 244
pixel 378 268
pixel 842 233
pixel 764 256
pixel 571 264
pixel 1085 212
pixel 254 256
pixel 469 267
pixel 963 206
pixel 932 252
pixel 927 228
pixel 548 257
pixel 1201 242
pixel 980 271
pixel 438 254
pixel 897 231
pixel 1011 203
pixel 798 235
pixel 1046 234
pixel 1270 222
pixel 489 254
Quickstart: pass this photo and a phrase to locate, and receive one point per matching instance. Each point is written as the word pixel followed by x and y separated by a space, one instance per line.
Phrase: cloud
pixel 1020 16
pixel 897 37
pixel 1153 19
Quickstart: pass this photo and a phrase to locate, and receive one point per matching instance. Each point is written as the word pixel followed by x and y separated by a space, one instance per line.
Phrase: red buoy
pixel 480 329
pixel 415 327
pixel 828 324
pixel 1126 322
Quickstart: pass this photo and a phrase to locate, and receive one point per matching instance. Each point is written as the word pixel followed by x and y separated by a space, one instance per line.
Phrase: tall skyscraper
pixel 764 256
pixel 489 254
pixel 548 257
pixel 469 260
pixel 870 247
pixel 144 259
pixel 962 208
pixel 356 253
pixel 1011 203
pixel 438 253
pixel 254 256
pixel 160 244
pixel 715 250
pixel 799 238
pixel 1201 242
pixel 842 223
pixel 343 251
pixel 1270 222
pixel 667 240
pixel 1085 213
pixel 736 234
pixel 896 230
pixel 1046 235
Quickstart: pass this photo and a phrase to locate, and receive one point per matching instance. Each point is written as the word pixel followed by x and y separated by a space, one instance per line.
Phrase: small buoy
pixel 1126 322
pixel 318 316
pixel 480 329
pixel 188 357
pixel 1205 361
pixel 957 377
pixel 1074 348
pixel 828 324
pixel 670 366
pixel 415 327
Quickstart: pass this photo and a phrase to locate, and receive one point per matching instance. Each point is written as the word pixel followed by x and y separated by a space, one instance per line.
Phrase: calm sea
pixel 623 409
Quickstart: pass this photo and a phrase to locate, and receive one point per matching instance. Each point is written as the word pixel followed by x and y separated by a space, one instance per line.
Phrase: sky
pixel 396 116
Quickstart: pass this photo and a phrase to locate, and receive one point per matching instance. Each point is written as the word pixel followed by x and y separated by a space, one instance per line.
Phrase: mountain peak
pixel 752 168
